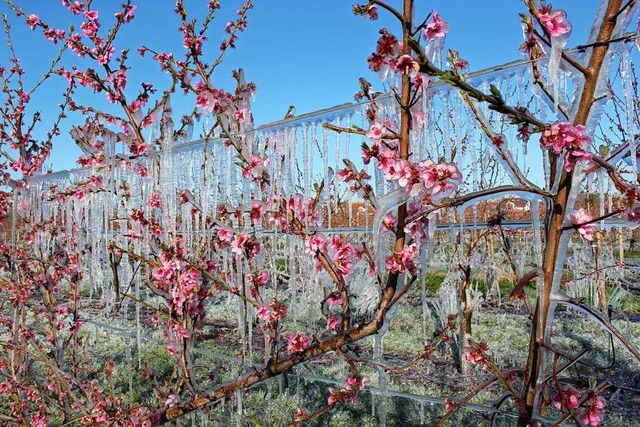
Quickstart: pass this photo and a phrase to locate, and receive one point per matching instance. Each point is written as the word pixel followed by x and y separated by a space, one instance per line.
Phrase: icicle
pixel 537 237
pixel 313 143
pixel 129 363
pixel 290 163
pixel 385 205
pixel 347 144
pixel 601 91
pixel 14 216
pixel 448 132
pixel 242 315
pixel 626 75
pixel 601 192
pixel 232 170
pixel 167 192
pixel 239 407
pixel 382 380
pixel 325 171
pixel 138 281
pixel 291 245
pixel 306 175
pixel 595 27
pixel 638 38
pixel 423 286
pixel 433 51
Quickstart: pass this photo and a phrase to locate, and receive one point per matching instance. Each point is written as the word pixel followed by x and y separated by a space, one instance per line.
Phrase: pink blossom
pixel 53 34
pixel 440 180
pixel 171 349
pixel 119 79
pixel 591 414
pixel 179 331
pixel 89 28
pixel 96 181
pixel 299 415
pixel 569 397
pixel 138 149
pixel 369 153
pixel 256 211
pixel 190 280
pixel 262 278
pixel 555 22
pixel 315 243
pixel 171 400
pixel 297 343
pixel 563 135
pixel 127 15
pixel 154 201
pixel 279 310
pixel 355 383
pixel 91 15
pixel 177 298
pixel 4 387
pixel 376 131
pixel 74 43
pixel 449 404
pixel 404 260
pixel 334 299
pixel 437 28
pixel 32 21
pixel 342 255
pixel 406 64
pixel 225 234
pixel 76 8
pixel 38 421
pixel 394 264
pixel 351 383
pixel 332 322
pixel 263 312
pixel 389 221
pixel 632 216
pixel 239 243
pixel 346 175
pixel 255 165
pixel 404 173
pixel 333 397
pixel 379 64
pixel 477 357
pixel 241 115
pixel 205 101
pixel 80 194
pixel 370 11
pixel 580 218
pixel 387 160
pixel 571 157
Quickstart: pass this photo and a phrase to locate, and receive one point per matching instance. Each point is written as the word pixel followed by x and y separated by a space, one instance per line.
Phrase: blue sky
pixel 301 52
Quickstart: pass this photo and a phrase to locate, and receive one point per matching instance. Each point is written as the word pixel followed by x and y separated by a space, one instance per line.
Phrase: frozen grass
pixel 274 403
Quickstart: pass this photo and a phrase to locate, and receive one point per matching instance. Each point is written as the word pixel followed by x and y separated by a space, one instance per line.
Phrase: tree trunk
pixel 535 369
